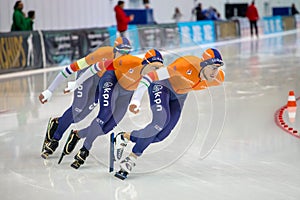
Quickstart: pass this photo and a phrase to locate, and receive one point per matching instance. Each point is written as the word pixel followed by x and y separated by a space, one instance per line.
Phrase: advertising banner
pixel 20 51
pixel 195 33
pixel 150 37
pixel 272 24
pixel 227 30
pixel 297 18
pixel 170 34
pixel 63 47
pixel 289 23
pixel 96 38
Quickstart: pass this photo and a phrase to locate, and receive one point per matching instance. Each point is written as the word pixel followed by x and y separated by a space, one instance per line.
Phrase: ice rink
pixel 226 146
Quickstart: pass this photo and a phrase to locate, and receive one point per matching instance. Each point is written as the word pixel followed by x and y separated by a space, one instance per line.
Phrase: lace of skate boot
pixel 82 155
pixel 51 128
pixel 71 142
pixel 50 147
pixel 127 164
pixel 120 144
pixel 80 158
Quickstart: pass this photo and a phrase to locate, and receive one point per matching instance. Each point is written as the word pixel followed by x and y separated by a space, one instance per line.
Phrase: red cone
pixel 292 106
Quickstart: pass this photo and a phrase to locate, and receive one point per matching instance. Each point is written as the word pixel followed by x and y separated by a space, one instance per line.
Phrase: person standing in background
pixel 177 15
pixel 146 4
pixel 122 18
pixel 19 20
pixel 294 9
pixel 29 20
pixel 198 12
pixel 252 15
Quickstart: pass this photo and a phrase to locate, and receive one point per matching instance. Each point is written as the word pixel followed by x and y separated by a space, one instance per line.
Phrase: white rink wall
pixel 72 14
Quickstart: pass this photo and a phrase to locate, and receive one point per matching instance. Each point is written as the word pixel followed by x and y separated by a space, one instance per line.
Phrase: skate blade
pixel 45 155
pixel 45 139
pixel 75 165
pixel 121 175
pixel 61 157
pixel 44 145
pixel 111 153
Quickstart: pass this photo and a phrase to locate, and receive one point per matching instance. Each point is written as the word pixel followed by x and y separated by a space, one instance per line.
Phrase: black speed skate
pixel 51 128
pixel 49 148
pixel 80 157
pixel 121 174
pixel 70 144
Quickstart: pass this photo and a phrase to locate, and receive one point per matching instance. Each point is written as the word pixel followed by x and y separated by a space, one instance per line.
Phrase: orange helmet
pixel 152 55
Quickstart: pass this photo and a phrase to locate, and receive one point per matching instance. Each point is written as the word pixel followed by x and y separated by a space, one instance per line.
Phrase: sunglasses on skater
pixel 124 51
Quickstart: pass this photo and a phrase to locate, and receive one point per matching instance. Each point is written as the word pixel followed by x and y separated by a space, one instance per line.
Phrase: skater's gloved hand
pixel 72 86
pixel 134 108
pixel 45 96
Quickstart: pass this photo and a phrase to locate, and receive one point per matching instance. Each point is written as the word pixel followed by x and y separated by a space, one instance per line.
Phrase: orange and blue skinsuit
pixel 168 88
pixel 116 87
pixel 87 94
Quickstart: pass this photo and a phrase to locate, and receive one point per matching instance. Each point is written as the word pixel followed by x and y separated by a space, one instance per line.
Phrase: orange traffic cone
pixel 292 106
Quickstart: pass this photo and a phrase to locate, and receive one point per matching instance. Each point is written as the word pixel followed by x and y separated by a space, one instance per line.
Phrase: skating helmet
pixel 122 45
pixel 151 56
pixel 211 56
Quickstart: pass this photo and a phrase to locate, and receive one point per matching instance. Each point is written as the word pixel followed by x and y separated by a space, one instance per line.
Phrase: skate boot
pixel 120 144
pixel 80 158
pixel 51 128
pixel 49 149
pixel 126 166
pixel 70 144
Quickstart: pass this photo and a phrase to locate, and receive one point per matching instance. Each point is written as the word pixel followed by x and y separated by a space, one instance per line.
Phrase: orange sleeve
pixel 101 53
pixel 74 66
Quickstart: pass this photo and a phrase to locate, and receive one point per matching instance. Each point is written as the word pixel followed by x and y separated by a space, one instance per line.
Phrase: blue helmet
pixel 122 45
pixel 211 56
pixel 152 55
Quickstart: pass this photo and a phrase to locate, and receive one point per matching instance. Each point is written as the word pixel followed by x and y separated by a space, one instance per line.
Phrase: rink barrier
pixel 227 30
pixel 27 50
pixel 277 24
pixel 193 33
pixel 20 51
pixel 281 123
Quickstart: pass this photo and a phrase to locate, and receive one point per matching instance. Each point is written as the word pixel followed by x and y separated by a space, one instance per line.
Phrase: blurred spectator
pixel 122 18
pixel 211 14
pixel 197 11
pixel 177 15
pixel 19 21
pixel 29 20
pixel 216 14
pixel 294 9
pixel 253 16
pixel 146 4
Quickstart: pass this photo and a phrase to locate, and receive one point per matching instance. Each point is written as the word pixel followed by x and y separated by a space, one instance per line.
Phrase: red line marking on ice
pixel 281 123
